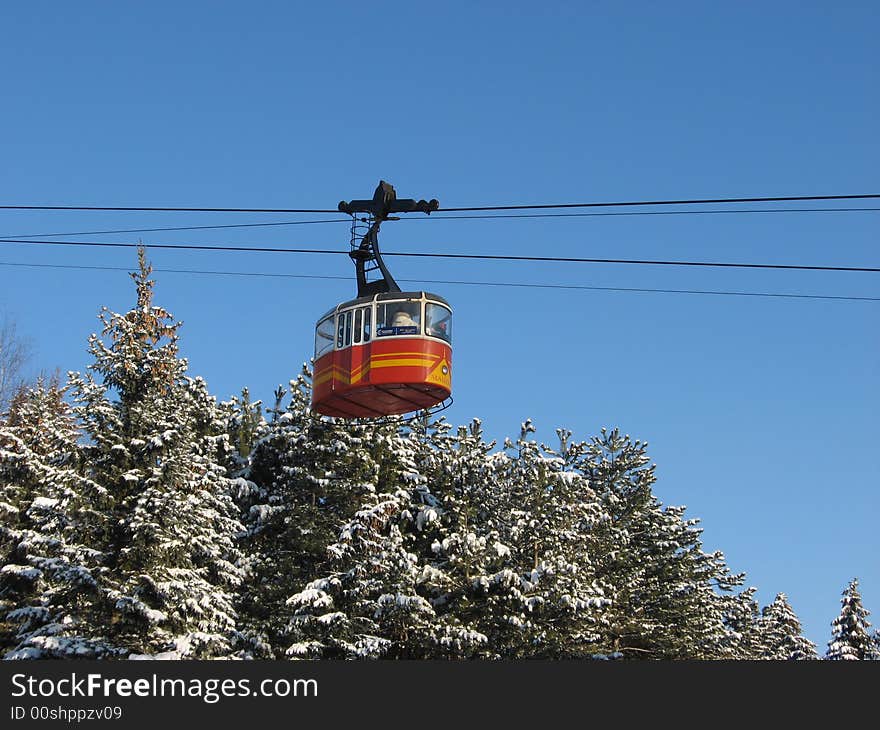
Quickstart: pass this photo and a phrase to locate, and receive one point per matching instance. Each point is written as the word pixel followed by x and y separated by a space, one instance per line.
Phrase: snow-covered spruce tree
pixel 537 597
pixel 850 639
pixel 245 426
pixel 305 479
pixel 402 567
pixel 50 516
pixel 650 562
pixel 412 567
pixel 782 635
pixel 458 552
pixel 744 636
pixel 154 446
pixel 470 574
pixel 436 563
pixel 369 604
pixel 464 567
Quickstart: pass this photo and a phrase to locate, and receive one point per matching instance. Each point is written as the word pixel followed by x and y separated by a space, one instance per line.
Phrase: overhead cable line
pixel 642 262
pixel 175 246
pixel 536 206
pixel 704 201
pixel 736 211
pixel 481 257
pixel 157 209
pixel 275 275
pixel 449 217
pixel 178 228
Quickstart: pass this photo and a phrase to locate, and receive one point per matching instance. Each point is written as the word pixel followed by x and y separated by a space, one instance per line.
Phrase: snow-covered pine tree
pixel 650 560
pixel 371 603
pixel 464 567
pixel 850 638
pixel 50 516
pixel 440 561
pixel 744 635
pixel 305 479
pixel 154 446
pixel 782 635
pixel 542 600
pixel 245 426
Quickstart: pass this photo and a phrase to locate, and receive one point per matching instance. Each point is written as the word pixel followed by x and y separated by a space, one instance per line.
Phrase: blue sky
pixel 761 413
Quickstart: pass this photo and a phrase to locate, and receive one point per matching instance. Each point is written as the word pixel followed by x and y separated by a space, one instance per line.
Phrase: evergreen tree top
pixel 142 350
pixel 850 638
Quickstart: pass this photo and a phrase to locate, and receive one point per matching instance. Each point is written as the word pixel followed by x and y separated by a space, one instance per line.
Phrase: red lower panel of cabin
pixel 382 378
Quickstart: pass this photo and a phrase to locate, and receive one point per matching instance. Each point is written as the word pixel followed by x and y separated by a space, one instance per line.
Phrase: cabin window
pixel 324 336
pixel 343 330
pixel 438 321
pixel 358 316
pixel 367 315
pixel 398 318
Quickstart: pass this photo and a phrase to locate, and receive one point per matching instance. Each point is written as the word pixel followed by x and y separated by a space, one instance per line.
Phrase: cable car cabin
pixel 383 355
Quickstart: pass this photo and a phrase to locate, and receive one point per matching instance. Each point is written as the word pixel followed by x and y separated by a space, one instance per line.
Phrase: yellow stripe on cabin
pixel 404 362
pixel 386 355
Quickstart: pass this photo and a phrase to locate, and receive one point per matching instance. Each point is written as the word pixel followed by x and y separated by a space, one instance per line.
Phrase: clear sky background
pixel 761 413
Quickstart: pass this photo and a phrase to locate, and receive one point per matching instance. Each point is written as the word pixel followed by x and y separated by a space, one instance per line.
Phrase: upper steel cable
pixel 604 214
pixel 534 206
pixel 483 257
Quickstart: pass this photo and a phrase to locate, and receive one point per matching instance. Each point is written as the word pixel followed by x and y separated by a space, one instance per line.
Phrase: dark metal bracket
pixel 365 245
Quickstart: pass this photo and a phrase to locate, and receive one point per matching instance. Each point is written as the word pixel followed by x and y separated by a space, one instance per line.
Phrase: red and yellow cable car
pixel 388 352
pixel 383 355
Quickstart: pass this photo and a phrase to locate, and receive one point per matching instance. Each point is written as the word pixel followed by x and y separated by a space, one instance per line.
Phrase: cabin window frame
pixel 328 335
pixel 357 329
pixel 448 338
pixel 367 322
pixel 389 306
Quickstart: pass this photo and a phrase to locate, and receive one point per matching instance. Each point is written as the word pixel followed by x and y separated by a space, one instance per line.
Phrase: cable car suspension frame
pixel 365 243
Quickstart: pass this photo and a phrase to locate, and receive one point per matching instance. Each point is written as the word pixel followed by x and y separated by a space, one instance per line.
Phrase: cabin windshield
pixel 438 321
pixel 398 318
pixel 324 336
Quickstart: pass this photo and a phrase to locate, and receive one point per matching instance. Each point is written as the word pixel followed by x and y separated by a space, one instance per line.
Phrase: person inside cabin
pixel 402 318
